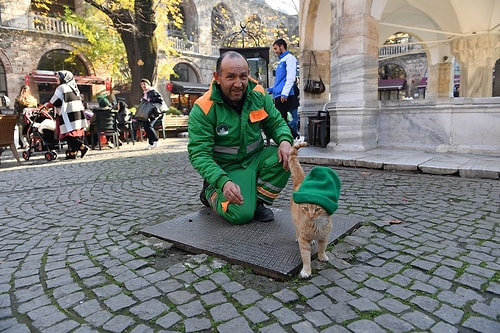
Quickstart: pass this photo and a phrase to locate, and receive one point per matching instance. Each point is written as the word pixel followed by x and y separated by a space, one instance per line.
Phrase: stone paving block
pixel 99 318
pixel 62 327
pixel 169 320
pixel 399 292
pixel 268 304
pixel 423 287
pixel 320 302
pixel 363 326
pixel 107 291
pixel 247 296
pixel 286 295
pixel 237 325
pixel 285 316
pixel 34 304
pixel 118 323
pixel 223 312
pixel 304 327
pixel 393 305
pixel 191 309
pixel 449 314
pixel 363 304
pixel 425 303
pixel 214 298
pixel 370 294
pixel 196 324
pixel 204 286
pixel 480 324
pixel 317 318
pixel 273 328
pixel 149 309
pixel 443 327
pixel 255 315
pixel 180 297
pixel 136 283
pixel 119 302
pixel 418 319
pixel 46 317
pixel 393 324
pixel 87 308
pixel 146 293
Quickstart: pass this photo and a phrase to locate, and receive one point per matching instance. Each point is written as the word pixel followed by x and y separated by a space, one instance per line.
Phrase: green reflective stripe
pixel 233 150
pixel 226 150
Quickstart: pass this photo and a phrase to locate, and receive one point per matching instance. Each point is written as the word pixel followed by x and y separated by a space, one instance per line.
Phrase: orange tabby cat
pixel 312 204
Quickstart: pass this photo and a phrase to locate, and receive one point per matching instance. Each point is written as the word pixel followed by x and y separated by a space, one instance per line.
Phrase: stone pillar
pixel 440 81
pixel 476 55
pixel 354 75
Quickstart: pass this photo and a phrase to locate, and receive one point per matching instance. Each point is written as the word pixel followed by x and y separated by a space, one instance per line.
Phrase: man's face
pixel 233 78
pixel 278 49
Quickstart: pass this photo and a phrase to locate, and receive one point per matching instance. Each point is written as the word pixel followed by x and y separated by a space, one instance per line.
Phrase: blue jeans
pixel 295 121
pixel 148 126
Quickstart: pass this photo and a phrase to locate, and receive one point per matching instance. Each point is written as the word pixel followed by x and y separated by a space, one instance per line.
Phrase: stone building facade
pixel 25 38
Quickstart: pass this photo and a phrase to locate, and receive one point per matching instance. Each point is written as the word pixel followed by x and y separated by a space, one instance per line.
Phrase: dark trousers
pixel 149 129
pixel 74 143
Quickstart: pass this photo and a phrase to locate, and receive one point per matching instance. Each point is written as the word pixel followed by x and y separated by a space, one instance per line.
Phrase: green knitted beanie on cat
pixel 322 187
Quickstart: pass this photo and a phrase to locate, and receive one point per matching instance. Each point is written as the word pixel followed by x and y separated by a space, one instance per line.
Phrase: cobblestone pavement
pixel 72 259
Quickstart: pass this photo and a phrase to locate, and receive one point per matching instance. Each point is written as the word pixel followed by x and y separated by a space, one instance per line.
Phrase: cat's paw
pixel 322 257
pixel 305 273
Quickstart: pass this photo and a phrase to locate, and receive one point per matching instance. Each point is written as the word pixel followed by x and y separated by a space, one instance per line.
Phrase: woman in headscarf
pixel 70 114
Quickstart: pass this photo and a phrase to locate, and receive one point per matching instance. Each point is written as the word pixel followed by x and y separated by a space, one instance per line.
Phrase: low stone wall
pixel 460 125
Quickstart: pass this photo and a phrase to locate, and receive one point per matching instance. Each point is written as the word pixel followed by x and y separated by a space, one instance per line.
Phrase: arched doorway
pixel 56 60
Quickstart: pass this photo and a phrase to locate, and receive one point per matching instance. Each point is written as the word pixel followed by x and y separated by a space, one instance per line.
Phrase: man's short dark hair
pixel 230 54
pixel 280 42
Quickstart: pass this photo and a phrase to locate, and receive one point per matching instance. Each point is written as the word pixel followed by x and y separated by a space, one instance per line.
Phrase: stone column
pixel 440 81
pixel 354 78
pixel 476 55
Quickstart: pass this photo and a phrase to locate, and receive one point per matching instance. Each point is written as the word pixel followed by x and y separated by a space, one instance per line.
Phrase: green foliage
pixel 104 48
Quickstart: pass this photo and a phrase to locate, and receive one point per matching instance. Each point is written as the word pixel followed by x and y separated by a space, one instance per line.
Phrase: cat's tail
pixel 294 165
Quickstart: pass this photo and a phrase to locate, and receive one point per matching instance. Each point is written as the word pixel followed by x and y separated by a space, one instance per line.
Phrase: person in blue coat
pixel 283 89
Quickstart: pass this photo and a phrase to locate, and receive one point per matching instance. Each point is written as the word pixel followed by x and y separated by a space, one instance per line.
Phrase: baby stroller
pixel 41 133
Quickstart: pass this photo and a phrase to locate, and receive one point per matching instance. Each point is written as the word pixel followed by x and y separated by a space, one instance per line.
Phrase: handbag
pixel 144 110
pixel 311 86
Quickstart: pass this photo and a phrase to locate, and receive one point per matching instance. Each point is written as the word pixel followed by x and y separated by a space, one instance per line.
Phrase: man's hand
pixel 232 193
pixel 283 153
pixel 283 99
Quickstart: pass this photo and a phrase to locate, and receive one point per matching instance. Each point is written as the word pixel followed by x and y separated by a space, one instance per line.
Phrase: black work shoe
pixel 263 214
pixel 203 197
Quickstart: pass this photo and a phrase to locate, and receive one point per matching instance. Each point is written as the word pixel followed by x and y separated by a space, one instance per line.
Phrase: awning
pixel 180 87
pixel 50 78
pixel 391 84
pixel 423 82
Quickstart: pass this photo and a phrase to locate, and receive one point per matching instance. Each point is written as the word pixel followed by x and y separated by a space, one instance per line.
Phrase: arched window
pixel 3 83
pixel 184 72
pixel 222 22
pixel 56 60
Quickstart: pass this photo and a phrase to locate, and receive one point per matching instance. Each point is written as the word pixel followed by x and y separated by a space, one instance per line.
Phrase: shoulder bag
pixel 314 86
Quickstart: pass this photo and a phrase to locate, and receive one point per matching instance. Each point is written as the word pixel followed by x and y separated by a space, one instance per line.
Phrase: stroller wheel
pixel 49 156
pixel 54 155
pixel 68 152
pixel 26 155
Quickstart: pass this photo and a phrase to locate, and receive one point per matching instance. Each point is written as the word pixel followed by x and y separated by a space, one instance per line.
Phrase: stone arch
pixel 4 59
pixel 186 71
